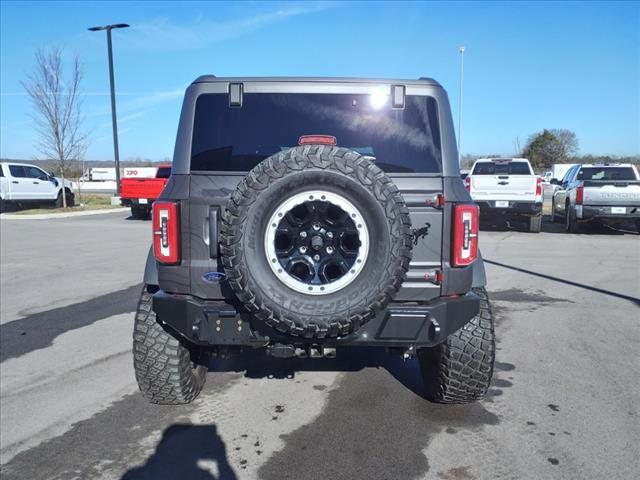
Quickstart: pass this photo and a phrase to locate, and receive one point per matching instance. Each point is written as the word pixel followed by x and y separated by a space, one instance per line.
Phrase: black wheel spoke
pixel 316 243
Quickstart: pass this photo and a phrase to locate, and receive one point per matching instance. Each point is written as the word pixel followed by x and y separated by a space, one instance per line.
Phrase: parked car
pixel 25 184
pixel 605 193
pixel 507 188
pixel 139 192
pixel 303 234
pixel 558 171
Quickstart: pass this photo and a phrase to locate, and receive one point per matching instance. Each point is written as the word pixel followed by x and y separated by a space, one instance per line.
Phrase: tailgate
pixel 141 187
pixel 503 187
pixel 209 195
pixel 611 193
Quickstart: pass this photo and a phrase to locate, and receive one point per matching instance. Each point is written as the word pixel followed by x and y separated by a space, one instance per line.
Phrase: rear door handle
pixel 36 183
pixel 15 181
pixel 214 213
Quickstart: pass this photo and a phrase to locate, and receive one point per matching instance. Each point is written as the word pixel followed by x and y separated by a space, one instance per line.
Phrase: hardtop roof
pixel 419 81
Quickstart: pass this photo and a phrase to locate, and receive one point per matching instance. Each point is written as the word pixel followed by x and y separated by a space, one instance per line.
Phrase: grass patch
pixel 85 202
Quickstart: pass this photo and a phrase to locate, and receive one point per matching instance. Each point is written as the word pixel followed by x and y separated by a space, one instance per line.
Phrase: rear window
pixel 17 171
pixel 606 173
pixel 237 139
pixel 506 168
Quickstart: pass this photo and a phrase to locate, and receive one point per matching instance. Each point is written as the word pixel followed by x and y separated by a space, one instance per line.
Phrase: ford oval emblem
pixel 213 277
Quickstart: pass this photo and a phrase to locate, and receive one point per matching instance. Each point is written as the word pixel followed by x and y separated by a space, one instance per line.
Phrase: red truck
pixel 140 193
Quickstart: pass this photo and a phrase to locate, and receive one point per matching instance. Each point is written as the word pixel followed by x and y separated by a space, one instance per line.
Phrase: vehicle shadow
pixel 186 452
pixel 257 364
pixel 602 291
pixel 587 229
pixel 500 225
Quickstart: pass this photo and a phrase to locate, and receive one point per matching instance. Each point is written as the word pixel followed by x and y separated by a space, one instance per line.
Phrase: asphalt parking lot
pixel 564 403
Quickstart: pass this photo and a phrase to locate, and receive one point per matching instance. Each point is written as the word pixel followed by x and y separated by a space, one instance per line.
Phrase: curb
pixel 46 216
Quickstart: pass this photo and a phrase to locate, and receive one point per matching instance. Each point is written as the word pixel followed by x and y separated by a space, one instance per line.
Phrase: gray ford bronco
pixel 305 215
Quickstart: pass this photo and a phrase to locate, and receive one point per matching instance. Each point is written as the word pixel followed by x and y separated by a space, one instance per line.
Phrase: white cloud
pixel 163 35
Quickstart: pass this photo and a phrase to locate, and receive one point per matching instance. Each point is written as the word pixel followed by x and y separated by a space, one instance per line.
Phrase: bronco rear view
pixel 304 216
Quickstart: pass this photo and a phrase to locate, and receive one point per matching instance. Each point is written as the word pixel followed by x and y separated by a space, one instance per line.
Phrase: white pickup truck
pixel 604 193
pixel 21 183
pixel 507 188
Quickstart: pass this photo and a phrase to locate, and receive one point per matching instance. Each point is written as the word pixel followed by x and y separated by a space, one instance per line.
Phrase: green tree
pixel 545 148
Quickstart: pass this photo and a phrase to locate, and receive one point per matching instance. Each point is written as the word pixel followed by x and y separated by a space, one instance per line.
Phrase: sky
pixel 527 65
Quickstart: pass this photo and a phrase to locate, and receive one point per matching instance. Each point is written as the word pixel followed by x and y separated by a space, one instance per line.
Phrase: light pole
pixel 461 50
pixel 114 122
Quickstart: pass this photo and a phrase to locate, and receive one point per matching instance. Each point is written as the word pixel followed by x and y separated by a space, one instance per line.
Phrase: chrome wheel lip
pixel 310 196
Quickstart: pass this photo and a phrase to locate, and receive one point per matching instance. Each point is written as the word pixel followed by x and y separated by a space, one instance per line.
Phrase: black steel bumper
pixel 489 208
pixel 606 214
pixel 209 323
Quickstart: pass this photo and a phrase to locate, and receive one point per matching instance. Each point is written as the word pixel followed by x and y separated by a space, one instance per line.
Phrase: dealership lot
pixel 564 403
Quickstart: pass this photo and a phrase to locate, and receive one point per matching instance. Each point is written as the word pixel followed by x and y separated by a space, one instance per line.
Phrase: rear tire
pixel 555 218
pixel 140 213
pixel 167 372
pixel 535 224
pixel 571 225
pixel 459 370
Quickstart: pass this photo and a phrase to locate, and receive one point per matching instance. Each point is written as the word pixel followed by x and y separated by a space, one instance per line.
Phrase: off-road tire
pixel 296 170
pixel 58 201
pixel 167 372
pixel 535 224
pixel 571 225
pixel 459 370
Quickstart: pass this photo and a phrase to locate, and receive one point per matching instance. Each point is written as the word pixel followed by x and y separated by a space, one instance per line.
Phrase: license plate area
pixel 143 201
pixel 619 210
pixel 502 203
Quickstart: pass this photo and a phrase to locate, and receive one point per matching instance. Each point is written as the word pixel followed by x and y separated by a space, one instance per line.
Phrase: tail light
pixel 579 194
pixel 467 184
pixel 539 187
pixel 465 234
pixel 317 140
pixel 166 246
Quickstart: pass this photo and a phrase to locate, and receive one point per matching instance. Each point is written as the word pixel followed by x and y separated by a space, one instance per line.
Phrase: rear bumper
pixel 516 208
pixel 142 202
pixel 607 213
pixel 219 324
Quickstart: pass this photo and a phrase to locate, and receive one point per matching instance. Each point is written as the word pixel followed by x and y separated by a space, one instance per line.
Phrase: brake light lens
pixel 579 194
pixel 165 232
pixel 317 140
pixel 465 234
pixel 467 184
pixel 539 187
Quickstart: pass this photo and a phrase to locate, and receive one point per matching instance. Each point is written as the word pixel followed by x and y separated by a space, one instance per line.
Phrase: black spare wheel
pixel 316 240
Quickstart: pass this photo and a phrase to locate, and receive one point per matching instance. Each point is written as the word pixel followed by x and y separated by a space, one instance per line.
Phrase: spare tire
pixel 315 241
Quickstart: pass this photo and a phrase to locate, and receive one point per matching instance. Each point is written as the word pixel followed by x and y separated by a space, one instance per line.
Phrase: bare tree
pixel 57 109
pixel 517 147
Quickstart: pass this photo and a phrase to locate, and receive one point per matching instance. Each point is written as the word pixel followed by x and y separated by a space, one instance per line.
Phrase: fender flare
pixel 479 275
pixel 151 269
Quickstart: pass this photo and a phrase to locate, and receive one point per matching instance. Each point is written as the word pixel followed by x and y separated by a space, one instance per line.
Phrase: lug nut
pixel 329 250
pixel 316 257
pixel 302 249
pixel 303 234
pixel 316 226
pixel 330 234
